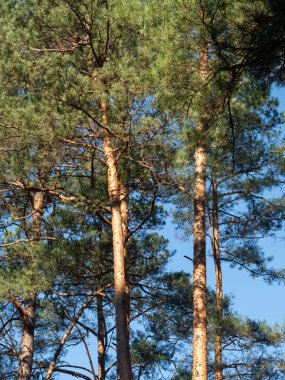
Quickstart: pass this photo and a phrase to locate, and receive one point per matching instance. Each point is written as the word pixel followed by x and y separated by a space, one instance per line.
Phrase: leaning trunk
pixel 121 289
pixel 29 311
pixel 199 270
pixel 219 281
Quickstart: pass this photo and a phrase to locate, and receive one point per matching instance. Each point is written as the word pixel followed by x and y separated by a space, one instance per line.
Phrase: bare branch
pixel 27 241
pixel 145 219
pixel 69 330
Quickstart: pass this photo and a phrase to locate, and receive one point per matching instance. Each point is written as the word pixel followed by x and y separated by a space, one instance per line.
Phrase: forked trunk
pixel 199 271
pixel 121 289
pixel 101 339
pixel 29 310
pixel 219 280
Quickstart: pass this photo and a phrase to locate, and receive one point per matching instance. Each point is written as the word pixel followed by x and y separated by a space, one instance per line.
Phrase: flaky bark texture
pixel 219 280
pixel 121 289
pixel 29 311
pixel 101 339
pixel 199 272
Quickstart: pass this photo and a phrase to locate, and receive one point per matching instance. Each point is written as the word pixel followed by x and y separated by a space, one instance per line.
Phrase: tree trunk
pixel 121 289
pixel 199 272
pixel 125 224
pixel 101 338
pixel 219 281
pixel 27 340
pixel 29 311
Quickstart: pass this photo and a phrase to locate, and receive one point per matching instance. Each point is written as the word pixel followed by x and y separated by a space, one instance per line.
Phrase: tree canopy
pixel 115 117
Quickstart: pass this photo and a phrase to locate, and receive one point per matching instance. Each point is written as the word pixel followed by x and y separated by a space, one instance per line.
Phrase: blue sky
pixel 251 297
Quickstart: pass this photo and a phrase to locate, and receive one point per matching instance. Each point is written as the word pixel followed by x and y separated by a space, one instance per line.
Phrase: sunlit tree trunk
pixel 28 312
pixel 121 288
pixel 199 271
pixel 125 223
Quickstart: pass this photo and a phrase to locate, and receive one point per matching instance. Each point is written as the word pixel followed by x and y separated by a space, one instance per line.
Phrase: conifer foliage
pixel 110 112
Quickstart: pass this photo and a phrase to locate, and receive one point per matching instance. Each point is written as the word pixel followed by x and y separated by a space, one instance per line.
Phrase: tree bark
pixel 27 339
pixel 125 224
pixel 101 339
pixel 199 371
pixel 29 311
pixel 121 289
pixel 219 280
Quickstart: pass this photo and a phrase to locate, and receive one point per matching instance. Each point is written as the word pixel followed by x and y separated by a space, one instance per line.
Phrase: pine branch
pixel 17 305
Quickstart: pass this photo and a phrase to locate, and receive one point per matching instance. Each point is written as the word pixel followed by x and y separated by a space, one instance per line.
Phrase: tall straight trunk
pixel 121 289
pixel 125 224
pixel 219 280
pixel 29 310
pixel 101 339
pixel 199 271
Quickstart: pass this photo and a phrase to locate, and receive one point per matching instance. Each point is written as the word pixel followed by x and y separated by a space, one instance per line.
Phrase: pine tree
pixel 86 62
pixel 99 102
